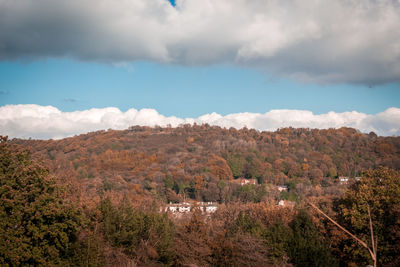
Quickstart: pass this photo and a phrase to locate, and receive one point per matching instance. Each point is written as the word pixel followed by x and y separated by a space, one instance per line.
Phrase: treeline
pixel 41 223
pixel 203 162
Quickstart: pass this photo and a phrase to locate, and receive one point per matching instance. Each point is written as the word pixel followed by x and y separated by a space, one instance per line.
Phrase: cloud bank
pixel 352 41
pixel 45 122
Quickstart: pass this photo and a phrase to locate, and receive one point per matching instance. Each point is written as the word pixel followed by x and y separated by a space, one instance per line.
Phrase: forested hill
pixel 202 162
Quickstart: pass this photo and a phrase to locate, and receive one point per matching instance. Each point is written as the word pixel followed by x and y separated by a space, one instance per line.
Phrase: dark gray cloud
pixel 317 41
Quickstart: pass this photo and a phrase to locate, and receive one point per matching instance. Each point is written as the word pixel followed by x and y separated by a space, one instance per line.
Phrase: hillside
pixel 204 162
pixel 103 198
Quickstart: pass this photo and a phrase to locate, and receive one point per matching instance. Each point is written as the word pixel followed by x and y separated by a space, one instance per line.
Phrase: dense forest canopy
pixel 104 193
pixel 203 162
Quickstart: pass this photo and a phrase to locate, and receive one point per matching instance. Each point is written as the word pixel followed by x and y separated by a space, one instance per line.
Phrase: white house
pixel 184 209
pixel 343 180
pixel 207 207
pixel 282 188
pixel 285 203
pixel 248 181
pixel 211 209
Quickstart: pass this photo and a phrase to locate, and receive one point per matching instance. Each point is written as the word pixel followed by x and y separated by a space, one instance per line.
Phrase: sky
pixel 68 67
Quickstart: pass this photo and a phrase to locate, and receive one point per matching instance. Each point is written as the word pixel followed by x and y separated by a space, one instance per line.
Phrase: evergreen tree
pixel 36 225
pixel 306 246
pixel 144 235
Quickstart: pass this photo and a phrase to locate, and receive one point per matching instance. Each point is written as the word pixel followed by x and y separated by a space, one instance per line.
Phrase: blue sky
pixel 231 63
pixel 177 90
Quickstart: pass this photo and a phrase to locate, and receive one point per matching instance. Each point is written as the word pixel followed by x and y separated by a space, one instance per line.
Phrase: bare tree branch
pixel 373 255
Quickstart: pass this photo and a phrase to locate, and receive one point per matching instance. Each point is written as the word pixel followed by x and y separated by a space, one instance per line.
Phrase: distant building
pixel 285 203
pixel 211 209
pixel 244 181
pixel 185 207
pixel 248 181
pixel 172 208
pixel 282 188
pixel 343 179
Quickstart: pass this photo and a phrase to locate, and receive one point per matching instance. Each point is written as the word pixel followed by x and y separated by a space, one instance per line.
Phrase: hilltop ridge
pixel 201 161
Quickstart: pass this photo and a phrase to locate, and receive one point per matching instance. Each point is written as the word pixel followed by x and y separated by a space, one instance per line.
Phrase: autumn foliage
pixel 203 162
pixel 107 191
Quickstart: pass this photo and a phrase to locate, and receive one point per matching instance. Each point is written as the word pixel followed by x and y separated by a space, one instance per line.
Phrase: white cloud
pixel 356 41
pixel 44 122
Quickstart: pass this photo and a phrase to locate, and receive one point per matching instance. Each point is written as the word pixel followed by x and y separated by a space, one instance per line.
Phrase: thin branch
pixel 344 230
pixel 372 231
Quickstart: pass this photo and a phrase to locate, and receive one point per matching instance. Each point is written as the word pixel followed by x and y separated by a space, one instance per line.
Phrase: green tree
pixel 142 235
pixel 252 193
pixel 278 238
pixel 37 227
pixel 237 163
pixel 168 182
pixel 252 168
pixel 246 224
pixel 332 172
pixel 306 247
pixel 379 191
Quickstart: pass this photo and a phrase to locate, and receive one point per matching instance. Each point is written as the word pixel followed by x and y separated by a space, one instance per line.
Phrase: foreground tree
pixel 369 213
pixel 372 208
pixel 307 247
pixel 146 237
pixel 36 226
